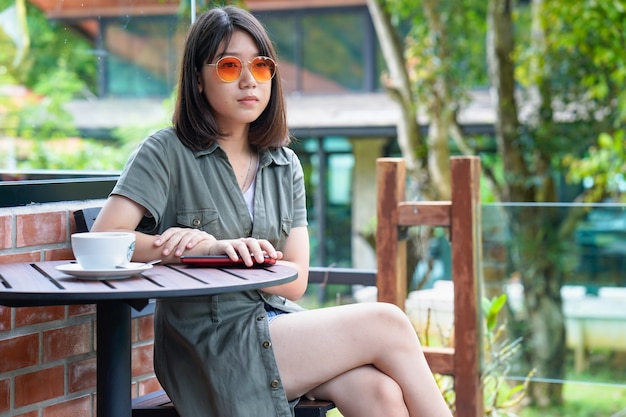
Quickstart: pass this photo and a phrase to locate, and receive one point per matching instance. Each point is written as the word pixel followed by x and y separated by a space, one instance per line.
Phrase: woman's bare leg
pixel 362 392
pixel 314 347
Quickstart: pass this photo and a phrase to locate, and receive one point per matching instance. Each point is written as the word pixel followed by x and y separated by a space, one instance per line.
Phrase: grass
pixel 585 400
pixel 598 392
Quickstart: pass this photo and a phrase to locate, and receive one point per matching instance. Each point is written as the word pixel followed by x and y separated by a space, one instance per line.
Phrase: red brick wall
pixel 47 354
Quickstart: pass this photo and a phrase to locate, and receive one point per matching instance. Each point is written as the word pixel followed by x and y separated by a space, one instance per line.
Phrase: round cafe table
pixel 41 284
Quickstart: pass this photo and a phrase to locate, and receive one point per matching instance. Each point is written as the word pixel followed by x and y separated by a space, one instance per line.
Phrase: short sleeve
pixel 146 177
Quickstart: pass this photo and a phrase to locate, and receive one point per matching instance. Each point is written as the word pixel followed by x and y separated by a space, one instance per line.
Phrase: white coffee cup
pixel 103 250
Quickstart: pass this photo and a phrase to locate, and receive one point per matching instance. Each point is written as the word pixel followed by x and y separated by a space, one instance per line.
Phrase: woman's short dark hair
pixel 193 117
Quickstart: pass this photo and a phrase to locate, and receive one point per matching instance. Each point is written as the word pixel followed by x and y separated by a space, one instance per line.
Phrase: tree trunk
pixel 500 45
pixel 535 228
pixel 539 255
pixel 398 85
pixel 439 106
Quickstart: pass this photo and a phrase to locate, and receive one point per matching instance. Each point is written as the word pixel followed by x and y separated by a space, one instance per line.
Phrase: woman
pixel 222 181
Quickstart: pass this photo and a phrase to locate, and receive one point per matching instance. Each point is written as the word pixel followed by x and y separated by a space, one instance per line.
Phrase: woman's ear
pixel 199 78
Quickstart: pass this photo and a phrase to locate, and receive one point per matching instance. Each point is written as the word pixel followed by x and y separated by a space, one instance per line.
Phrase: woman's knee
pixel 381 397
pixel 388 395
pixel 391 315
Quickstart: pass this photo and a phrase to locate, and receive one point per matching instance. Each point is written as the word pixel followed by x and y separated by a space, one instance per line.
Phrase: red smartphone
pixel 221 261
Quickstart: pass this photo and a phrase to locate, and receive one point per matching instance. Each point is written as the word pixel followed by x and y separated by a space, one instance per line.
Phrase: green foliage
pixel 585 69
pixel 500 396
pixel 46 118
pixel 602 168
pixel 84 154
pixel 89 154
pixel 462 23
pixel 55 70
pixel 490 309
pixel 591 33
pixel 56 45
pixel 587 41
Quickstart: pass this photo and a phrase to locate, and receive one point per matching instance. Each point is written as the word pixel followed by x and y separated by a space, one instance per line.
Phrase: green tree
pixel 572 62
pixel 57 68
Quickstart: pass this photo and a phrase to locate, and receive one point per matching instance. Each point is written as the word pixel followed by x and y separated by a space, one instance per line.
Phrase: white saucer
pixel 76 270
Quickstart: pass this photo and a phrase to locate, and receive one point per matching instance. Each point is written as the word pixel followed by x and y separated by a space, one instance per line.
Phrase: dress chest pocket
pixel 197 219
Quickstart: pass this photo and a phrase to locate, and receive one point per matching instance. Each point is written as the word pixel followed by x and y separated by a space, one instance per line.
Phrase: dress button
pixel 195 222
pixel 260 318
pixel 275 383
pixel 267 344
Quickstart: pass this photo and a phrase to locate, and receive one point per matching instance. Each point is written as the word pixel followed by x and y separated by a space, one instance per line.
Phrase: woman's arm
pixel 122 214
pixel 295 254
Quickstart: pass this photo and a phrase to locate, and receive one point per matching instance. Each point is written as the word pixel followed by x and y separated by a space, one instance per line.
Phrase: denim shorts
pixel 272 312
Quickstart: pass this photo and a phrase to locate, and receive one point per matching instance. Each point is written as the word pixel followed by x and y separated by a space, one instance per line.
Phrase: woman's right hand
pixel 179 240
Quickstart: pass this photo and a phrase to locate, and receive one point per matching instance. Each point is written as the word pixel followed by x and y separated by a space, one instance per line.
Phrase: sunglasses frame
pixel 249 64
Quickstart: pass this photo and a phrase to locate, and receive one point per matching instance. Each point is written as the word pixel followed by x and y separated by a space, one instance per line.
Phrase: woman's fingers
pixel 246 249
pixel 180 239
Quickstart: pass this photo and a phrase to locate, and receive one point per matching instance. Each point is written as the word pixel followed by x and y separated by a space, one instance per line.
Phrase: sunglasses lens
pixel 229 69
pixel 263 69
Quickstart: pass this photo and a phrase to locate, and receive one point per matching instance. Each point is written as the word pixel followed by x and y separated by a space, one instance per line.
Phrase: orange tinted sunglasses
pixel 229 68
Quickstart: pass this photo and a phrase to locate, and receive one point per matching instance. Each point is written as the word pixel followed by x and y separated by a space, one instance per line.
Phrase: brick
pixel 41 228
pixel 5 232
pixel 145 328
pixel 25 316
pixel 33 413
pixel 5 318
pixel 149 385
pixel 79 407
pixel 81 309
pixel 63 254
pixel 142 360
pixel 19 352
pixel 82 375
pixel 38 386
pixel 33 256
pixel 5 392
pixel 66 342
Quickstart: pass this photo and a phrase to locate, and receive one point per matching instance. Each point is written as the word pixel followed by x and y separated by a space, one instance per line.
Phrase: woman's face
pixel 243 100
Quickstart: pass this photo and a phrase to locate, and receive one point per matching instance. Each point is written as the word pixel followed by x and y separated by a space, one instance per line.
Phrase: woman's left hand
pixel 246 249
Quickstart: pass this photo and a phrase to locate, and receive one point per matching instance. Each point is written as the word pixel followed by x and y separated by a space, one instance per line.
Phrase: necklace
pixel 245 180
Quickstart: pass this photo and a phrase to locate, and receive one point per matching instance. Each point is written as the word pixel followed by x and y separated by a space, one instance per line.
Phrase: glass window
pixel 142 55
pixel 328 166
pixel 332 52
pixel 324 51
pixel 320 50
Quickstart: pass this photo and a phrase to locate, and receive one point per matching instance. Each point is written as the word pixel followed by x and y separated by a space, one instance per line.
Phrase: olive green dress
pixel 213 354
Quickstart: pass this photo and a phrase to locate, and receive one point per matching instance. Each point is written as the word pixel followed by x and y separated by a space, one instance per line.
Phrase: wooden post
pixel 391 276
pixel 462 216
pixel 465 234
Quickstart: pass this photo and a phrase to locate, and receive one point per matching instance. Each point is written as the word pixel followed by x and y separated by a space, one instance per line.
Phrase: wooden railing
pixel 461 216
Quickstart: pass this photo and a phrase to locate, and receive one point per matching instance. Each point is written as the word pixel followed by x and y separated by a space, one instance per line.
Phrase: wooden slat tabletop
pixel 40 283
